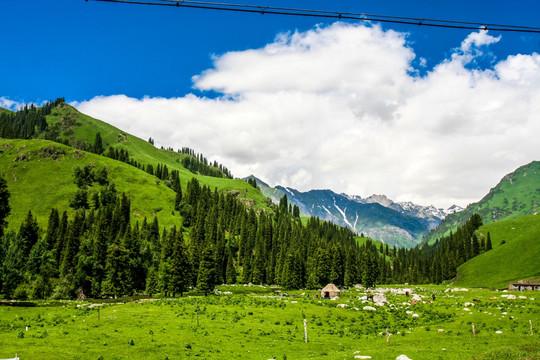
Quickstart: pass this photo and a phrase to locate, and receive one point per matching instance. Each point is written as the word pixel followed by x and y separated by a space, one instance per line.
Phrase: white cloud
pixel 10 104
pixel 337 107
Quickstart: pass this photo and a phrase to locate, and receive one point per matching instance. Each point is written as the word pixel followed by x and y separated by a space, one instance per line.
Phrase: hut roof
pixel 331 287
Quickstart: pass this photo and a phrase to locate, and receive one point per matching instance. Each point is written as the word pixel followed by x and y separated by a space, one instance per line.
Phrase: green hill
pixel 80 130
pixel 40 176
pixel 2 110
pixel 40 173
pixel 516 195
pixel 516 259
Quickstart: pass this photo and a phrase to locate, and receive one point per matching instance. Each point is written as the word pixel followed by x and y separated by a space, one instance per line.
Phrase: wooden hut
pixel 523 286
pixel 330 291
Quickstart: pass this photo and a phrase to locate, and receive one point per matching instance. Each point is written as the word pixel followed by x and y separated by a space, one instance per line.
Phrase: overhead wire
pixel 272 10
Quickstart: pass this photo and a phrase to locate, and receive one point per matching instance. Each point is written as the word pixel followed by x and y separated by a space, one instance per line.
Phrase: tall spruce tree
pixel 206 276
pixel 5 209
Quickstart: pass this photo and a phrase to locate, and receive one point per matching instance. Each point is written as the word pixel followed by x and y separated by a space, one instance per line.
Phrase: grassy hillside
pixel 39 182
pixel 70 124
pixel 517 259
pixel 516 195
pixel 2 110
pixel 39 175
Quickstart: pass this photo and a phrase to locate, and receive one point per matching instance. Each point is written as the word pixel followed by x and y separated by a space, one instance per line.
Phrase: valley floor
pixel 257 323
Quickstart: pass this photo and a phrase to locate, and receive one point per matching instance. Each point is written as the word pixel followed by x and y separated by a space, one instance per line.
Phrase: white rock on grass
pixel 511 297
pixel 498 332
pixel 523 297
pixel 380 299
pixel 415 315
pixel 403 357
pixel 369 308
pixel 362 357
pixel 343 306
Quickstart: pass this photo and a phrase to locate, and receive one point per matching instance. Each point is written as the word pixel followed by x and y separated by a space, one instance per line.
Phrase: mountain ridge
pixel 400 224
pixel 517 194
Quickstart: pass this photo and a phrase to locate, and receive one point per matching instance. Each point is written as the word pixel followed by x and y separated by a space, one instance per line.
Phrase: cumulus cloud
pixel 339 107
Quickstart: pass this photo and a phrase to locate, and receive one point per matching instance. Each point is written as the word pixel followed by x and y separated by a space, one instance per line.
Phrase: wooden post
pixel 305 330
pixel 473 331
pixel 387 336
pixel 530 323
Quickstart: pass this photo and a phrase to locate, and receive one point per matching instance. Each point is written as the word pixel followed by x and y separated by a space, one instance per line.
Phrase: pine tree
pixel 179 280
pixel 231 271
pixel 205 277
pixel 28 234
pixel 116 271
pixel 488 242
pixel 98 145
pixel 5 209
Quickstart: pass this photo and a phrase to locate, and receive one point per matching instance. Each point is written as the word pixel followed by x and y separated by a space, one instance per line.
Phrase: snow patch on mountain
pixel 342 212
pixel 407 207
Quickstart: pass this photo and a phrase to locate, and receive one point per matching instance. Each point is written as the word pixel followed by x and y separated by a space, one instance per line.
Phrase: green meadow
pixel 515 255
pixel 253 322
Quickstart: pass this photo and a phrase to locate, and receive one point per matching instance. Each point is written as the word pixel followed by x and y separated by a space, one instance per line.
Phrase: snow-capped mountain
pixel 402 224
pixel 409 208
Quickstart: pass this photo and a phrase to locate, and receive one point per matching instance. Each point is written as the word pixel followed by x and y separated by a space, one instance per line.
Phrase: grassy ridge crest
pixel 515 196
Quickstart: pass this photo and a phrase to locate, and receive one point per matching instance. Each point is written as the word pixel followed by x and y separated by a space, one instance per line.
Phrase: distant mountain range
pixel 403 224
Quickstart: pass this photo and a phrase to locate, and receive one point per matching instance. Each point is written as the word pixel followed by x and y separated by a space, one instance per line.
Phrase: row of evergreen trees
pixel 101 252
pixel 26 122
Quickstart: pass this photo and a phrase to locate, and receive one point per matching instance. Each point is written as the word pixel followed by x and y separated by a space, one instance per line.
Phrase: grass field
pixel 516 259
pixel 254 323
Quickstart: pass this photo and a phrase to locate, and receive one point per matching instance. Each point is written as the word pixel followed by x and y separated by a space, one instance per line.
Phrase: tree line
pixel 99 251
pixel 26 122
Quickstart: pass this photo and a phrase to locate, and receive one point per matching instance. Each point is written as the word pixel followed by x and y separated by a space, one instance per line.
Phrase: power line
pixel 260 9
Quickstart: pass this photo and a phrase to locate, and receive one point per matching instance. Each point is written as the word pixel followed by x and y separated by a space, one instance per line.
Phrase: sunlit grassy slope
pixel 75 126
pixel 517 259
pixel 38 182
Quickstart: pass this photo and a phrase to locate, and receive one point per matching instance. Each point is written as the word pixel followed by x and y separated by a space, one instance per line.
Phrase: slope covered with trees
pixel 100 251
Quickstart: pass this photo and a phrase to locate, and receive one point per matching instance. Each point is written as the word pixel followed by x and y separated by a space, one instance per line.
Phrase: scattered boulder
pixel 523 297
pixel 380 299
pixel 456 289
pixel 440 331
pixel 416 298
pixel 362 357
pixel 403 357
pixel 369 308
pixel 498 332
pixel 343 306
pixel 511 297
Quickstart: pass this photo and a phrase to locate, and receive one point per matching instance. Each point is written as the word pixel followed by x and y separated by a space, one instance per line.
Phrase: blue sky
pixel 80 49
pixel 436 116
